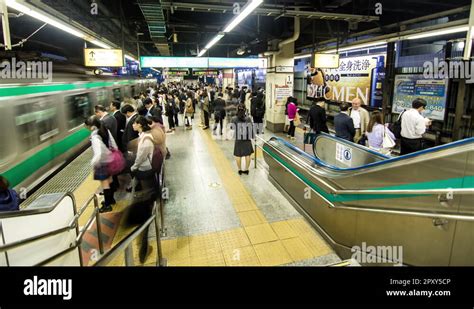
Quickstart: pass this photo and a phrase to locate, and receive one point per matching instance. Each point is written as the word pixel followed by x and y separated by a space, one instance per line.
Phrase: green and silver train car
pixel 41 124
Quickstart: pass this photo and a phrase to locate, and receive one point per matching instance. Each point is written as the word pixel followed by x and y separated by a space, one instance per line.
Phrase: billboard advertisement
pixel 356 77
pixel 410 87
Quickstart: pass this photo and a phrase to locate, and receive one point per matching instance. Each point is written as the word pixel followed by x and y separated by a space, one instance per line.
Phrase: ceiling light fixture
pixel 302 56
pixel 437 32
pixel 202 52
pixel 214 40
pixel 249 8
pixel 30 11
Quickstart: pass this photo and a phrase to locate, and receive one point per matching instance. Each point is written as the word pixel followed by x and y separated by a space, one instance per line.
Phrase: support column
pixel 279 86
pixel 462 83
pixel 5 25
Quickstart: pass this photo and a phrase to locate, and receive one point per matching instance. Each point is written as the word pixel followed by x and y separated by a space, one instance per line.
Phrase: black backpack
pixel 396 127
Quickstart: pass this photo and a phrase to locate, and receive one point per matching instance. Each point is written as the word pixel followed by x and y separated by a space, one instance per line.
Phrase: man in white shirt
pixel 413 127
pixel 361 118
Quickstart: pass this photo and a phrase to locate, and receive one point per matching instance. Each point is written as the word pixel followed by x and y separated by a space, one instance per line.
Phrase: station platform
pixel 212 216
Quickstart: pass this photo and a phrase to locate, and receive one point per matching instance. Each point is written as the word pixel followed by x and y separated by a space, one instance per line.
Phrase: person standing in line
pixel 169 112
pixel 413 127
pixel 189 111
pixel 317 116
pixel 257 108
pixel 361 118
pixel 205 109
pixel 101 141
pixel 344 124
pixel 376 131
pixel 292 111
pixel 120 118
pixel 243 135
pixel 219 112
pixel 109 121
pixel 176 109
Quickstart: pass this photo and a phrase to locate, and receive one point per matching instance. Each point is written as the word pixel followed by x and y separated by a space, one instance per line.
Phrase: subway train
pixel 41 123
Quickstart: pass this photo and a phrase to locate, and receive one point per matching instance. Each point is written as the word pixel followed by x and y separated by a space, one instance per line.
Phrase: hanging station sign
pixel 97 57
pixel 202 62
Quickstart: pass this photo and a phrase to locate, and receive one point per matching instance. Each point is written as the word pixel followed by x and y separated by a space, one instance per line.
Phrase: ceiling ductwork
pixel 153 13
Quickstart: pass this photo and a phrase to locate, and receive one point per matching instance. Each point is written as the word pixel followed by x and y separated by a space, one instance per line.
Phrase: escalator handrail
pixel 332 190
pixel 416 213
pixel 378 163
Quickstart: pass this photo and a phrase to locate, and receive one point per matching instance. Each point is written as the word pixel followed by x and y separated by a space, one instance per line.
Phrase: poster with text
pixel 357 77
pixel 410 87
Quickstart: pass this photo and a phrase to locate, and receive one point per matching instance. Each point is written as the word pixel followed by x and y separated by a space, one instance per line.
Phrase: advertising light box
pixel 97 57
pixel 413 86
pixel 174 62
pixel 202 62
pixel 224 63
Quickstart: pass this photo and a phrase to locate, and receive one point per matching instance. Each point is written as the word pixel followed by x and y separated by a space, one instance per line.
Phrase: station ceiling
pixel 180 28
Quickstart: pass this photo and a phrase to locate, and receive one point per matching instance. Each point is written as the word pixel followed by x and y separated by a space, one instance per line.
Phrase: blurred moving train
pixel 41 124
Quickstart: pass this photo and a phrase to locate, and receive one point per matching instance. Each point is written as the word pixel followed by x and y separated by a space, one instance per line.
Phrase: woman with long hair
pixel 243 135
pixel 102 141
pixel 376 131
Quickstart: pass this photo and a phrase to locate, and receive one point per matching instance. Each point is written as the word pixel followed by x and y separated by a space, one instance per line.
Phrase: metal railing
pixel 73 224
pixel 448 192
pixel 126 244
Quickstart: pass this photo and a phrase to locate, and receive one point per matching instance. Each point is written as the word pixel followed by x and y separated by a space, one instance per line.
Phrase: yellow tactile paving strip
pixel 256 243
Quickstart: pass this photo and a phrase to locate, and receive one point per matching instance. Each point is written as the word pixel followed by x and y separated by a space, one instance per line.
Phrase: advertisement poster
pixel 357 77
pixel 410 87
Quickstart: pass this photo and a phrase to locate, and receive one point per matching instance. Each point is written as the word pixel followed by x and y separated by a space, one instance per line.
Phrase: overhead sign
pixel 223 63
pixel 326 61
pixel 97 57
pixel 202 62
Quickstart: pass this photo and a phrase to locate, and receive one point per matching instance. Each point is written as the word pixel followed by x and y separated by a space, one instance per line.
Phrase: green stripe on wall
pixel 23 170
pixel 454 183
pixel 25 90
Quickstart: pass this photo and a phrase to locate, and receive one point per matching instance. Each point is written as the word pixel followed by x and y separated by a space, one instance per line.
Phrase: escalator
pixel 422 202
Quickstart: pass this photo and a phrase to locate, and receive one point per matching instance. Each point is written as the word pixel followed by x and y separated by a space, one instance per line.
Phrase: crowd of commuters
pixel 127 137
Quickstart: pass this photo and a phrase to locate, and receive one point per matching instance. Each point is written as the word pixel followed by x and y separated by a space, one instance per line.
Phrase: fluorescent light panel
pixel 355 47
pixel 202 52
pixel 302 56
pixel 53 22
pixel 214 41
pixel 244 13
pixel 437 32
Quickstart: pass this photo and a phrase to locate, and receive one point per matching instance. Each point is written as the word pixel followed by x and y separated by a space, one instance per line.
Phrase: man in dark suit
pixel 344 124
pixel 152 110
pixel 317 116
pixel 128 133
pixel 120 118
pixel 109 121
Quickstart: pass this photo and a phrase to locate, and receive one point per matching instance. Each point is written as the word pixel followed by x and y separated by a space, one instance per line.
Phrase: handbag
pixel 117 162
pixel 297 120
pixel 388 142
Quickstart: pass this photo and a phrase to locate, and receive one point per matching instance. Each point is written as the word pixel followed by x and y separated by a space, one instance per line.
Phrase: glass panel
pixel 36 123
pixel 102 97
pixel 117 94
pixel 78 108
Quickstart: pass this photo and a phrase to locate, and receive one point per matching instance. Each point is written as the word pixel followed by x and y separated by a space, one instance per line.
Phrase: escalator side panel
pixel 463 244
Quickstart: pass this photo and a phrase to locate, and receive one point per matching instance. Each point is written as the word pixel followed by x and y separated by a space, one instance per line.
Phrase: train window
pixel 78 108
pixel 117 94
pixel 102 97
pixel 36 123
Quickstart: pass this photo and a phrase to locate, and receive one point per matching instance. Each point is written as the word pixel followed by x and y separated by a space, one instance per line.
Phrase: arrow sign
pixel 92 54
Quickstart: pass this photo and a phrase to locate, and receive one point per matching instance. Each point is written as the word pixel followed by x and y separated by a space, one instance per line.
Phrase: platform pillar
pixel 5 25
pixel 279 86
